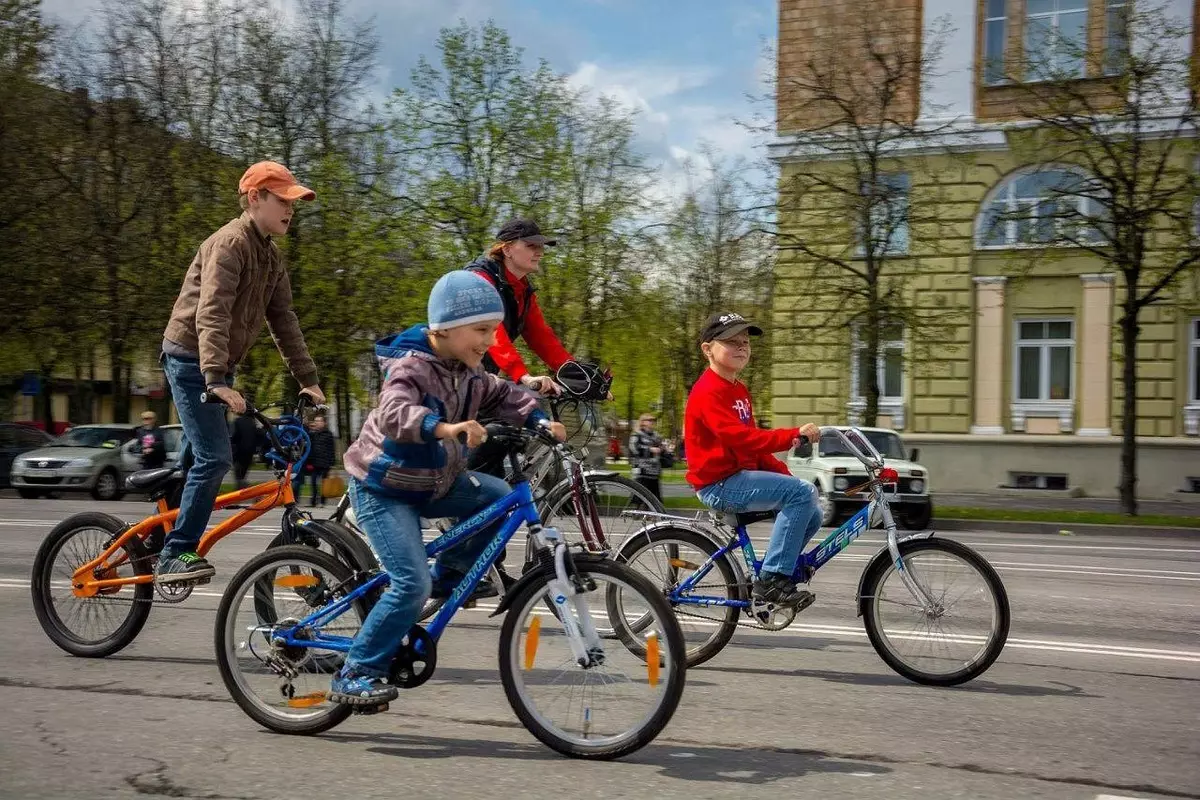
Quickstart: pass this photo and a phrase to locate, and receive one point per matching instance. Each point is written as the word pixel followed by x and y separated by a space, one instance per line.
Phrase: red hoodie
pixel 537 333
pixel 720 435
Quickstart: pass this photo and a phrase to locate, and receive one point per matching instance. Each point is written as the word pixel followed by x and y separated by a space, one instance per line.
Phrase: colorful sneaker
pixel 183 568
pixel 360 690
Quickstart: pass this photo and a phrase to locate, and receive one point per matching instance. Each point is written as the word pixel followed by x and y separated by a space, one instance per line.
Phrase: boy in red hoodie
pixel 731 463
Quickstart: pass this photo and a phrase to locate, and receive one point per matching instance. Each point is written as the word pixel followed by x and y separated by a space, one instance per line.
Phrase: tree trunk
pixel 1129 337
pixel 47 396
pixel 869 371
pixel 343 401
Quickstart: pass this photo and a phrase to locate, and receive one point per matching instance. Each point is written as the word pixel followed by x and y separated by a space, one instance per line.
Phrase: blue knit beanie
pixel 463 298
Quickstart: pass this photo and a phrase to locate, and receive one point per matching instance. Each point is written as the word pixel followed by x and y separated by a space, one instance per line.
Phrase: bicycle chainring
pixel 415 661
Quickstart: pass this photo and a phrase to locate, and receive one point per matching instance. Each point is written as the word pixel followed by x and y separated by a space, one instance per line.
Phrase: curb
pixel 1056 528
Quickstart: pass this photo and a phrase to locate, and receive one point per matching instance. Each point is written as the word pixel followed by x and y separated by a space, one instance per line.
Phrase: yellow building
pixel 1017 383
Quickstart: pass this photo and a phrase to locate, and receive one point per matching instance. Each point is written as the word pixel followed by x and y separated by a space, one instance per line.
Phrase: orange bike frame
pixel 272 494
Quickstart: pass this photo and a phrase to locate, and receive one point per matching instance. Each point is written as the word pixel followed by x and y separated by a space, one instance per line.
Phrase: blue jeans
pixel 796 500
pixel 394 528
pixel 206 443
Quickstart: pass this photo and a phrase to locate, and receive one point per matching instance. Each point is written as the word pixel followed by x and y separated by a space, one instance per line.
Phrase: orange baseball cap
pixel 276 179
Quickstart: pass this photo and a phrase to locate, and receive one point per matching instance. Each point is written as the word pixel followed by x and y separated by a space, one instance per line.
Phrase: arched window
pixel 1041 206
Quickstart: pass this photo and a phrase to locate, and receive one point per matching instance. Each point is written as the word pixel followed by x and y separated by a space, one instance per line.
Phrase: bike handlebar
pixel 303 403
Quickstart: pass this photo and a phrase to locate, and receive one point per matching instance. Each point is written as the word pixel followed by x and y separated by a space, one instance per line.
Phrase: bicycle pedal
pixel 366 711
pixel 468 604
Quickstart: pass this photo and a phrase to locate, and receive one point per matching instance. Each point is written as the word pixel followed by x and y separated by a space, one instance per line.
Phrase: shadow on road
pixel 680 761
pixel 1052 689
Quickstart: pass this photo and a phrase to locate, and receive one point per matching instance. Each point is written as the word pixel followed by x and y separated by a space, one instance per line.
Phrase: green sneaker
pixel 184 568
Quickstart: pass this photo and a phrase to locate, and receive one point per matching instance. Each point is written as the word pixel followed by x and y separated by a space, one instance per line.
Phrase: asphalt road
pixel 1096 695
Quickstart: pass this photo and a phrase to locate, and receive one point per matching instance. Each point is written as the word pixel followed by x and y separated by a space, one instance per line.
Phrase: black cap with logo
pixel 525 230
pixel 727 325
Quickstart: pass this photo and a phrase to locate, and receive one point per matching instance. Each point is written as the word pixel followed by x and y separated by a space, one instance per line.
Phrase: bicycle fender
pixel 885 556
pixel 684 523
pixel 601 473
pixel 541 573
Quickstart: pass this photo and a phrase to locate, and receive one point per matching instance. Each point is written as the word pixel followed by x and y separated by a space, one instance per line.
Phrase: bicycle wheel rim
pixel 108 612
pixel 250 654
pixel 624 681
pixel 937 645
pixel 701 625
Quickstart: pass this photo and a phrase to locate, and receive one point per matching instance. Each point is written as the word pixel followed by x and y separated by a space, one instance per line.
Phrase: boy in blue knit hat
pixel 408 462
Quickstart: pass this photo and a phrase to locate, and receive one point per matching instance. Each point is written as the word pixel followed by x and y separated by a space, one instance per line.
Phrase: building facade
pixel 1019 385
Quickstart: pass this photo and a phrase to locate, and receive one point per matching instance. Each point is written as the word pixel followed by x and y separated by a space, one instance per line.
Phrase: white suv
pixel 834 472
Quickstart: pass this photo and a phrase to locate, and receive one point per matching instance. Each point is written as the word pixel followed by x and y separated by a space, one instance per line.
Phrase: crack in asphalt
pixel 47 738
pixel 155 781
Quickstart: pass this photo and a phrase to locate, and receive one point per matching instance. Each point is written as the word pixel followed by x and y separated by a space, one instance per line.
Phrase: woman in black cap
pixel 508 264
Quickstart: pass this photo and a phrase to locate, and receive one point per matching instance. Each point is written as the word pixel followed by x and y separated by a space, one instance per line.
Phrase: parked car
pixel 834 472
pixel 87 458
pixel 16 440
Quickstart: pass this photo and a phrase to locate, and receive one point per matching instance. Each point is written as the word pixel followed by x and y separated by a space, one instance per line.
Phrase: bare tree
pixel 859 208
pixel 1131 132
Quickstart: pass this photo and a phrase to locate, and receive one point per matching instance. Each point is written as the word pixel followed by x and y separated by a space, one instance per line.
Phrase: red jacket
pixel 721 437
pixel 537 333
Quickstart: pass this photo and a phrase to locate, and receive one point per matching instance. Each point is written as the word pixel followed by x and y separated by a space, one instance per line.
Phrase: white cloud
pixel 642 88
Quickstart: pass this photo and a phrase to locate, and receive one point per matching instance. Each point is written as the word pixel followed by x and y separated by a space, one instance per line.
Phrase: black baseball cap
pixel 726 325
pixel 525 230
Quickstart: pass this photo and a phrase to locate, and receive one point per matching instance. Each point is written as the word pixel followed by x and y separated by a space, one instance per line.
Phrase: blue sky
pixel 685 65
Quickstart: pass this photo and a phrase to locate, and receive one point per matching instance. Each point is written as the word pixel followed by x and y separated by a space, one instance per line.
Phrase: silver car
pixel 87 458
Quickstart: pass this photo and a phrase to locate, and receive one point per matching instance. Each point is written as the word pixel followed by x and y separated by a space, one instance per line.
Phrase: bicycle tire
pixel 554 504
pixel 879 568
pixel 726 627
pixel 40 587
pixel 319 559
pixel 510 637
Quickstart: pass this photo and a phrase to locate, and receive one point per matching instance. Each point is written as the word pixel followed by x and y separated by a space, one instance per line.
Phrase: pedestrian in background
pixel 645 454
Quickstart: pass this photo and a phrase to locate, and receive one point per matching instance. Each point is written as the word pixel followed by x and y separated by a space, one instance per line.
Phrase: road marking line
pixel 1080 648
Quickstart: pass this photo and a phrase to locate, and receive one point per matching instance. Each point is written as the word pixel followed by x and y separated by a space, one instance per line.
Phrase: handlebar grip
pixel 212 399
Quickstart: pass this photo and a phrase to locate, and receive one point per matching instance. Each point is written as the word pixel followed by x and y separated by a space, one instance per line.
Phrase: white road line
pixel 1078 648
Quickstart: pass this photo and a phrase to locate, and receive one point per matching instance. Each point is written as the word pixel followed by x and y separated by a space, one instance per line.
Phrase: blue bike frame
pixel 809 563
pixel 519 507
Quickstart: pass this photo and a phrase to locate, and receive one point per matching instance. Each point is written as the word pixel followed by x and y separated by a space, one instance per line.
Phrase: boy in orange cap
pixel 236 282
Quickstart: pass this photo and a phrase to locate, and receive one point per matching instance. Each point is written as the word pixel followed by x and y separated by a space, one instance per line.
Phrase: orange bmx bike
pixel 93 576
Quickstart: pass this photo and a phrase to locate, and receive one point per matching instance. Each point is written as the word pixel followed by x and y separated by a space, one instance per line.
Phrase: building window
pixel 1055 39
pixel 995 32
pixel 1191 411
pixel 1194 361
pixel 889 371
pixel 1045 359
pixel 887 206
pixel 1040 207
pixel 1116 36
pixel 889 366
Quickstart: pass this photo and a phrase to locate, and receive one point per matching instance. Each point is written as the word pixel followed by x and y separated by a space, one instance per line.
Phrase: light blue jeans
pixel 796 501
pixel 394 528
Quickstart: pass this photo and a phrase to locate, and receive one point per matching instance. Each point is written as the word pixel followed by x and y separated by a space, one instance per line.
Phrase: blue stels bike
pixel 579 693
pixel 935 611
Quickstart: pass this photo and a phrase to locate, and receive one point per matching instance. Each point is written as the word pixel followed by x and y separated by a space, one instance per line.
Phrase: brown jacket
pixel 236 282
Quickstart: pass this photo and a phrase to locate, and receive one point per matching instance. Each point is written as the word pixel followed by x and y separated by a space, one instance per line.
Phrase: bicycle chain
pixel 744 620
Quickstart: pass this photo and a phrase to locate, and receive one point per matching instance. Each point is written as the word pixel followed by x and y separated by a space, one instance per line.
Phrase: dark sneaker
pixel 771 587
pixel 361 690
pixel 184 568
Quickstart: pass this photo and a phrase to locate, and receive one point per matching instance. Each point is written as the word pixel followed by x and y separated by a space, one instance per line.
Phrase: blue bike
pixel 578 693
pixel 935 611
